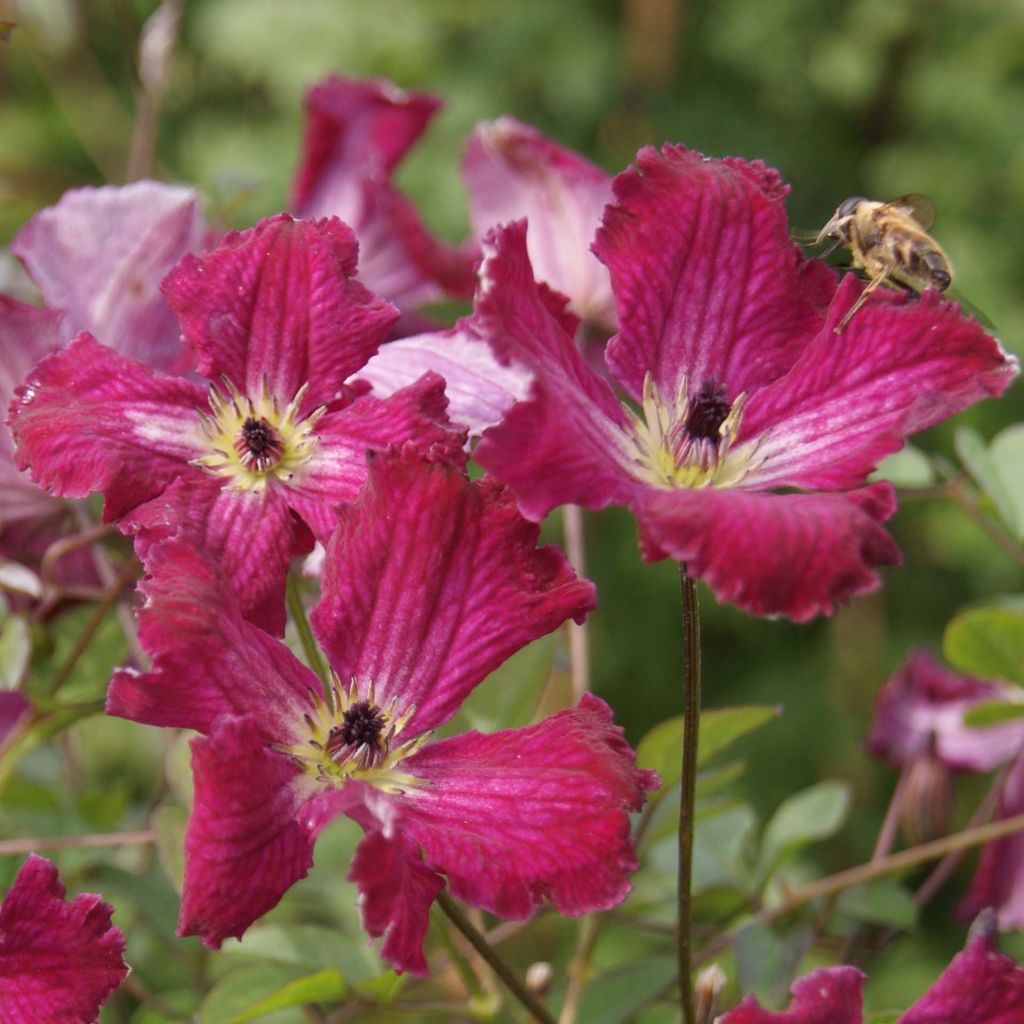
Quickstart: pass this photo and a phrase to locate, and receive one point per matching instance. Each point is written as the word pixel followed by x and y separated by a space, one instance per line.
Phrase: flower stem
pixel 490 956
pixel 579 652
pixel 688 783
pixel 14 847
pixel 298 614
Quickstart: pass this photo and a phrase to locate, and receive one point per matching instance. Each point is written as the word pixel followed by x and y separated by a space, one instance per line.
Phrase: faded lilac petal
pixel 480 390
pixel 829 995
pixel 100 255
pixel 207 660
pixel 512 171
pixel 90 420
pixel 13 707
pixel 922 705
pixel 707 281
pixel 980 986
pixel 356 134
pixel 279 303
pixel 430 582
pixel 520 816
pixel 59 959
pixel 999 880
pixel 796 554
pixel 899 366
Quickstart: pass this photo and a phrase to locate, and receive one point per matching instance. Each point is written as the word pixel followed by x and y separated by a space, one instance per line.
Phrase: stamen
pixel 708 411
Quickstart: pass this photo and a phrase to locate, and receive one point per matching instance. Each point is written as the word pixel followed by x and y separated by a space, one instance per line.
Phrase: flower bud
pixel 927 800
pixel 710 983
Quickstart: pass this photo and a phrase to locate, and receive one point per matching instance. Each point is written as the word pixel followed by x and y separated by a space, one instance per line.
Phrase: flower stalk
pixel 298 614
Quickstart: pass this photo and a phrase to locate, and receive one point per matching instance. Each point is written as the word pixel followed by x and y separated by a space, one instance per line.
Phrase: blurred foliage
pixel 845 97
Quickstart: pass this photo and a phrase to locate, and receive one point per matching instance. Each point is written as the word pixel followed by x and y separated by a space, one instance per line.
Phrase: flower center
pixel 254 441
pixel 690 442
pixel 353 737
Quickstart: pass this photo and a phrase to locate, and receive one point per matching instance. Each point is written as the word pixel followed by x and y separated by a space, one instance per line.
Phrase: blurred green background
pixel 845 97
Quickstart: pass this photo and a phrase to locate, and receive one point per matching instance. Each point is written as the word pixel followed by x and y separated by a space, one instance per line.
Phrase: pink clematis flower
pixel 980 986
pixel 59 960
pixel 757 425
pixel 356 134
pixel 277 324
pixel 430 582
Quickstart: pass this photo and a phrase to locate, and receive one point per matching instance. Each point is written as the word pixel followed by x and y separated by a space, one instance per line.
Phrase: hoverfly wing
pixel 921 208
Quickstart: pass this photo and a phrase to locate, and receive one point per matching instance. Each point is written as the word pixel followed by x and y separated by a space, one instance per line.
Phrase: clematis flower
pixel 356 134
pixel 59 960
pixel 755 425
pixel 980 986
pixel 429 583
pixel 999 880
pixel 277 324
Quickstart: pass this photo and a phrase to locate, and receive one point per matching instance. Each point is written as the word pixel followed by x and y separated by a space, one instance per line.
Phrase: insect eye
pixel 847 206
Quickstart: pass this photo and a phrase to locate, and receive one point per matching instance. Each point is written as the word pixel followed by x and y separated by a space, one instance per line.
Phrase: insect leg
pixel 861 299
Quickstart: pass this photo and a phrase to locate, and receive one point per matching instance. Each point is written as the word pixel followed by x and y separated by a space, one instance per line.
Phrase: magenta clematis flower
pixel 430 582
pixel 922 706
pixel 757 425
pixel 59 960
pixel 980 986
pixel 999 880
pixel 356 134
pixel 277 324
pixel 511 171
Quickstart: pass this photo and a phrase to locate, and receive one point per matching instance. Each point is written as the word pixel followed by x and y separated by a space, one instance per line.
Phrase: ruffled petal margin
pixel 797 555
pixel 59 959
pixel 829 995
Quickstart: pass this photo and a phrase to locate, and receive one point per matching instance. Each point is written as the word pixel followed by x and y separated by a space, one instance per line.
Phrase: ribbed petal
pixel 797 555
pixel 246 843
pixel 922 706
pixel 59 959
pixel 520 816
pixel 338 466
pixel 396 892
pixel 980 986
pixel 480 390
pixel 432 581
pixel 511 171
pixel 279 302
pixel 567 443
pixel 899 366
pixel 829 995
pixel 207 661
pixel 249 534
pixel 356 133
pixel 999 881
pixel 100 255
pixel 706 279
pixel 89 420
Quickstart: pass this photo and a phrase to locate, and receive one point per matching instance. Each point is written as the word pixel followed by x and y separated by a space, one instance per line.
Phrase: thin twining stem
pixel 579 646
pixel 298 613
pixel 495 962
pixel 16 847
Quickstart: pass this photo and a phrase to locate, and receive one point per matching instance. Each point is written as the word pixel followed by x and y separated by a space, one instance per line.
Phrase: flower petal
pixel 924 703
pixel 279 302
pixel 100 255
pixel 797 555
pixel 999 881
pixel 829 995
pixel 524 815
pixel 431 581
pixel 89 420
pixel 707 282
pixel 899 366
pixel 980 986
pixel 511 171
pixel 567 443
pixel 246 843
pixel 59 959
pixel 207 661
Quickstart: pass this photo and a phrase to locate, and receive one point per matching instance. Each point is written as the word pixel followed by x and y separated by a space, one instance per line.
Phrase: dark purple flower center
pixel 359 734
pixel 258 444
pixel 708 410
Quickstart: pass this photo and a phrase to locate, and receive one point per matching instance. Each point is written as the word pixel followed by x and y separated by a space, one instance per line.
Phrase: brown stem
pixel 16 847
pixel 579 652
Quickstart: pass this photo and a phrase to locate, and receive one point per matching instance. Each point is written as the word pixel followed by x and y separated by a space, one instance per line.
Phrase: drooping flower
pixel 277 324
pixel 356 134
pixel 755 425
pixel 430 582
pixel 59 959
pixel 980 986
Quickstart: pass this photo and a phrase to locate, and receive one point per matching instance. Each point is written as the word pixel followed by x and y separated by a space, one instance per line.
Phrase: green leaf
pixel 991 712
pixel 806 817
pixel 882 901
pixel 168 823
pixel 998 470
pixel 15 650
pixel 661 748
pixel 616 995
pixel 987 642
pixel 767 959
pixel 909 467
pixel 718 848
pixel 252 992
